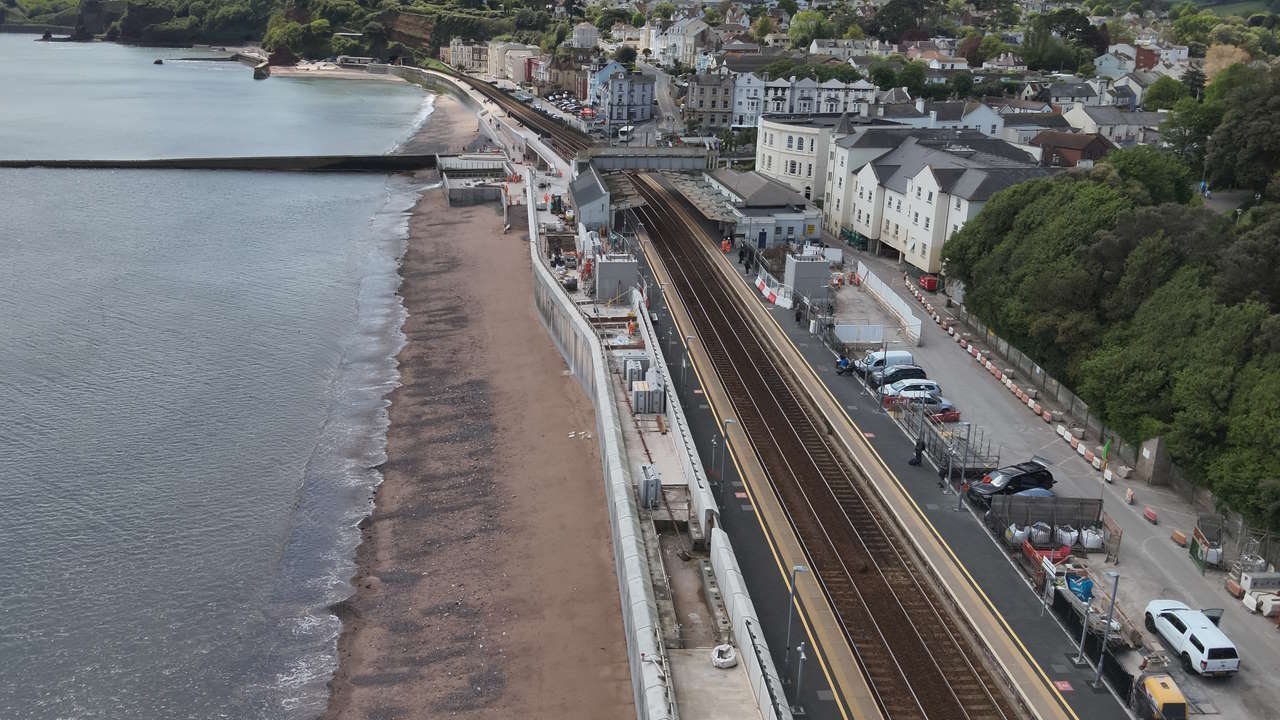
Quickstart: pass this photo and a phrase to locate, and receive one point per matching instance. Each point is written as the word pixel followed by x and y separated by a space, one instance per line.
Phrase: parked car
pixel 894 373
pixel 912 389
pixel 1012 479
pixel 941 409
pixel 878 359
pixel 1194 637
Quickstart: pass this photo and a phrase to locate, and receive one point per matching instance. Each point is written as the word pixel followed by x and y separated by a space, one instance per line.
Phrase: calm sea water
pixel 193 370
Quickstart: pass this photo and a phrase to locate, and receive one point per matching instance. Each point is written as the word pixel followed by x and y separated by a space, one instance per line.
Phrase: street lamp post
pixel 791 607
pixel 1106 629
pixel 796 708
pixel 964 467
pixel 684 362
pixel 1084 630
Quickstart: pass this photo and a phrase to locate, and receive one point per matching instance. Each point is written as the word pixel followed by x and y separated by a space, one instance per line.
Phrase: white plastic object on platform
pixel 724 657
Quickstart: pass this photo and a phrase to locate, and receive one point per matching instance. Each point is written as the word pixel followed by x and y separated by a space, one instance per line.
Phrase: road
pixel 1151 566
pixel 668 113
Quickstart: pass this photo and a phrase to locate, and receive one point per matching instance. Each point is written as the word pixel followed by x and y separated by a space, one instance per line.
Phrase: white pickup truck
pixel 1193 637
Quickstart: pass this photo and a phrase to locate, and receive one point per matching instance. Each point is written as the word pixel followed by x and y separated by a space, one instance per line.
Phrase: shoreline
pixel 486 536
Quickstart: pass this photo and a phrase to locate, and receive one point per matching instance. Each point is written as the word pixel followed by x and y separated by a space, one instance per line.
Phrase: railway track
pixel 565 141
pixel 916 665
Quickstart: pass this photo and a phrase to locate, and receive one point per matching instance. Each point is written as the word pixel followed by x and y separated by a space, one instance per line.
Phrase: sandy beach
pixel 329 70
pixel 485 585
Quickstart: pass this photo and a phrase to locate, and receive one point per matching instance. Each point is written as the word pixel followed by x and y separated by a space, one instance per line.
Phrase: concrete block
pixel 1075 442
pixel 1037 409
pixel 1047 417
pixel 1021 396
pixel 1128 496
pixel 1033 392
pixel 1078 432
pixel 1031 403
pixel 1062 432
pixel 1088 454
pixel 1107 475
pixel 1150 515
pixel 1096 462
pixel 1057 416
pixel 1234 589
pixel 1123 471
pixel 1080 448
pixel 973 351
pixel 1179 538
pixel 1008 371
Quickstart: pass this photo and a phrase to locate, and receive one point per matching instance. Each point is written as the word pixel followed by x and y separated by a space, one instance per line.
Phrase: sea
pixel 194 373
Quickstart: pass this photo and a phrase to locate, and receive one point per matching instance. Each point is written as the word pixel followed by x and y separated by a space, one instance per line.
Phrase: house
pixel 914 197
pixel 627 98
pixel 1067 93
pixel 737 15
pixel 680 42
pixel 792 149
pixel 947 63
pixel 469 57
pixel 709 103
pixel 590 198
pixel 748 100
pixel 1067 149
pixel 766 212
pixel 1019 128
pixel 1114 64
pixel 499 67
pixel 1006 62
pixel 1016 106
pixel 1137 82
pixel 599 78
pixel 1119 127
pixel 585 35
pixel 845 49
pixel 954 114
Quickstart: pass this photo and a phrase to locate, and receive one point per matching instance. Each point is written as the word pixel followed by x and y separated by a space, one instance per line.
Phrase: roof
pixel 756 190
pixel 1070 140
pixel 1112 115
pixel 1074 90
pixel 964 166
pixel 953 110
pixel 587 187
pixel 1048 120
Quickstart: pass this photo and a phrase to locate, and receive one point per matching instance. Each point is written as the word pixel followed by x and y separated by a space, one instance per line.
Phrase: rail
pixel 915 664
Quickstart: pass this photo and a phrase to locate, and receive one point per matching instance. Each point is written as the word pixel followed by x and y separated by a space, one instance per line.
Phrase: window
pixel 924 249
pixel 1175 622
pixel 899 204
pixel 917 192
pixel 791 231
pixel 926 223
pixel 915 218
pixel 807 191
pixel 794 168
pixel 993 128
pixel 810 144
pixel 789 142
pixel 1195 641
pixel 768 162
pixel 930 200
pixel 840 182
pixel 957 203
pixel 859 215
pixel 808 171
pixel 837 204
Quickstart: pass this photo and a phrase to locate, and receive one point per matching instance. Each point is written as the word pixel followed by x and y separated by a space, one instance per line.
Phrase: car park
pixel 894 373
pixel 1012 479
pixel 1194 637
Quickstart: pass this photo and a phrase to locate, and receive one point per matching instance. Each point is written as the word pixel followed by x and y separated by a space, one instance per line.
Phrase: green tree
pixel 625 55
pixel 1163 94
pixel 1188 127
pixel 805 26
pixel 763 27
pixel 637 19
pixel 789 7
pixel 913 78
pixel 664 10
pixel 713 16
pixel 961 84
pixel 1162 175
pixel 884 76
pixel 1244 150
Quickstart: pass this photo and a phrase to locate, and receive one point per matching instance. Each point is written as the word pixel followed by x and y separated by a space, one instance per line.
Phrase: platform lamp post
pixel 964 467
pixel 1106 629
pixel 1084 631
pixel 796 708
pixel 725 451
pixel 791 607
pixel 684 362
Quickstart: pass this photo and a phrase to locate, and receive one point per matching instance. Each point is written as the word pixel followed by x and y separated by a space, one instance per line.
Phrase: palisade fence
pixel 1032 375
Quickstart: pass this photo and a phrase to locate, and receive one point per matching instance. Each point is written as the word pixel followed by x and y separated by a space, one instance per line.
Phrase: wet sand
pixel 485 585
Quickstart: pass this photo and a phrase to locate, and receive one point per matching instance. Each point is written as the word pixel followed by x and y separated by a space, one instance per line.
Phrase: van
pixel 894 373
pixel 879 359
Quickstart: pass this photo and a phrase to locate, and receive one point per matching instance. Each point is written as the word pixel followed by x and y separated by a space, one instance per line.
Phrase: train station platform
pixel 1014 604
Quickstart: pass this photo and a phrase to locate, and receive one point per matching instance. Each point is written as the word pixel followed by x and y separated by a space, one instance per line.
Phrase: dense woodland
pixel 1163 315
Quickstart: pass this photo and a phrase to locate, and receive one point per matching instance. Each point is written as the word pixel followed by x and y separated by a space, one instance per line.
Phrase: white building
pixel 627 98
pixel 679 42
pixel 912 198
pixel 498 52
pixel 1121 128
pixel 748 100
pixel 793 149
pixel 845 49
pixel 470 57
pixel 585 35
pixel 950 114
pixel 1114 64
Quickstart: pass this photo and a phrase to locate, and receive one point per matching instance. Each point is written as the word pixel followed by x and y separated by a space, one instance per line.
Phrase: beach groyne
pixel 295 163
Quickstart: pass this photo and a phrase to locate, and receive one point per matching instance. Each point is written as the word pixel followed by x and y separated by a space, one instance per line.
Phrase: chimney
pixel 879 111
pixel 920 104
pixel 933 118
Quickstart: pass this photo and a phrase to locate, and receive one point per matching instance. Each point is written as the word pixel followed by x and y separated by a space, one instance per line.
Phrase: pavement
pixel 669 119
pixel 1150 565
